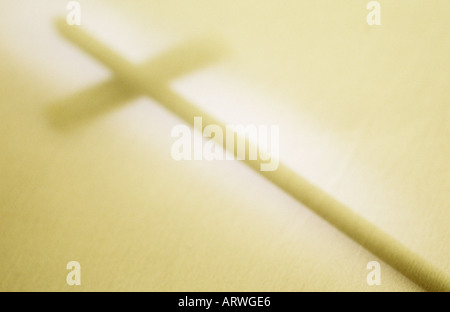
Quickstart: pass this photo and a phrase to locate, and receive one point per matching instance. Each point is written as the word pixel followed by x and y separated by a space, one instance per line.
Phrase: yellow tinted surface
pixel 363 114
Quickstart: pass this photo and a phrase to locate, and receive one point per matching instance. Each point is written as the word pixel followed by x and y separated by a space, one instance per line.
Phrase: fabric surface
pixel 363 114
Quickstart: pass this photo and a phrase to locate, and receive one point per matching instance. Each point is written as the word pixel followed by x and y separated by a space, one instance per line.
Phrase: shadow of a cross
pixel 99 99
pixel 152 79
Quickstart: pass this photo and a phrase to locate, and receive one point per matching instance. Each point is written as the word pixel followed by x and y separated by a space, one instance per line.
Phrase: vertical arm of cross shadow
pixel 80 108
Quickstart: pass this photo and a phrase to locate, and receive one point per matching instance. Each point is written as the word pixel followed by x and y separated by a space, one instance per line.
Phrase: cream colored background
pixel 363 113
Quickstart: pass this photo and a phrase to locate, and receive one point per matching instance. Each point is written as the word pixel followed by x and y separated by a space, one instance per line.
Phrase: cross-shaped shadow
pixel 86 105
pixel 152 80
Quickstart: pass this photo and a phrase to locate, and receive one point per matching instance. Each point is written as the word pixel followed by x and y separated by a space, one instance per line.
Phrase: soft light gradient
pixel 363 113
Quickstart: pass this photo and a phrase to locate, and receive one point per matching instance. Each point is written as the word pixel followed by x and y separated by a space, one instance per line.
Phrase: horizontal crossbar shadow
pixel 82 107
